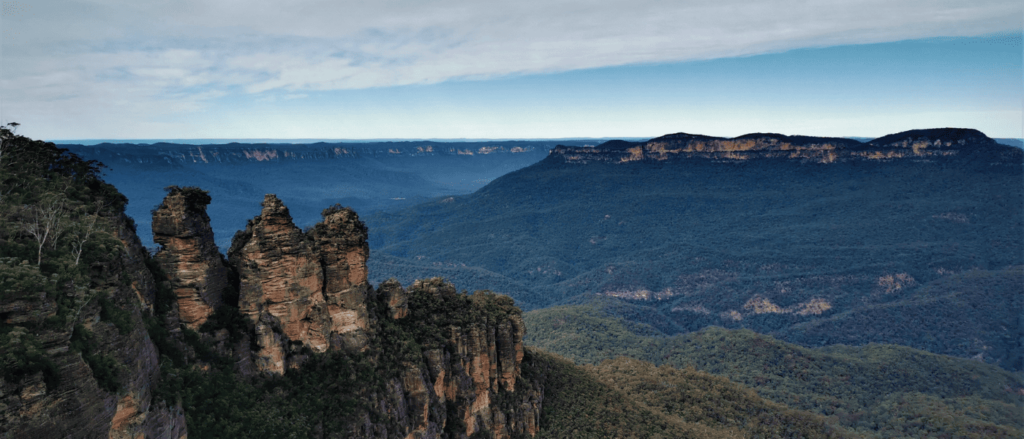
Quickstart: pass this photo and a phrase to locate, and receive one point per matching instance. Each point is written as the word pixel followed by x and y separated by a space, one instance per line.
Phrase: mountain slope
pixel 629 398
pixel 764 231
pixel 876 390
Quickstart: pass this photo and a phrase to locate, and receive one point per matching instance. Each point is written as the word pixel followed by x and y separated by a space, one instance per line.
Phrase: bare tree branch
pixel 47 220
pixel 82 235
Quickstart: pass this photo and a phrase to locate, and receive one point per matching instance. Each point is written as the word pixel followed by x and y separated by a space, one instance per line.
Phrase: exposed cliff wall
pixel 467 378
pixel 444 364
pixel 200 274
pixel 177 154
pixel 104 364
pixel 302 290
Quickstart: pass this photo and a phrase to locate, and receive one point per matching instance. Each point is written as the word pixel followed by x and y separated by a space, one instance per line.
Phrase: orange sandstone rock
pixel 188 254
pixel 302 289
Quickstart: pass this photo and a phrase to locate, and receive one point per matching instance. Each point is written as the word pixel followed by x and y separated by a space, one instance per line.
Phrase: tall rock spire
pixel 188 254
pixel 302 290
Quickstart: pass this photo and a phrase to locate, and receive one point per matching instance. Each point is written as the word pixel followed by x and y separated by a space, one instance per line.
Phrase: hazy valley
pixel 365 176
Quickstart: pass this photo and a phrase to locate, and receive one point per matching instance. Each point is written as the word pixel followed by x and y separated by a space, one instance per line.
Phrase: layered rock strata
pixel 188 254
pixel 302 289
pixel 473 380
pixel 72 403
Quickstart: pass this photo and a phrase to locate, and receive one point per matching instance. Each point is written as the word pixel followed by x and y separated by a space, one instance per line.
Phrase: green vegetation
pixel 110 312
pixel 716 402
pixel 576 404
pixel 968 312
pixel 330 390
pixel 58 253
pixel 855 387
pixel 61 260
pixel 627 398
pixel 323 396
pixel 196 199
pixel 104 367
pixel 850 253
pixel 23 356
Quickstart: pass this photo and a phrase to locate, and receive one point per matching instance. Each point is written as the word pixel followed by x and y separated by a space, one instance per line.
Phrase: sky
pixel 370 69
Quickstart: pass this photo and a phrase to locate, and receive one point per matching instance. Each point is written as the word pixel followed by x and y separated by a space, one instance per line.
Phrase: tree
pixel 82 235
pixel 46 222
pixel 5 135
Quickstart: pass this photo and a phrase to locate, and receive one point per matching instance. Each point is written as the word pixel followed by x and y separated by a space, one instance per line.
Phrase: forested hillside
pixel 914 238
pixel 875 390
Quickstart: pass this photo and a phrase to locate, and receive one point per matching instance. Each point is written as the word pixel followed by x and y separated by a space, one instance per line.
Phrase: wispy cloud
pixel 167 57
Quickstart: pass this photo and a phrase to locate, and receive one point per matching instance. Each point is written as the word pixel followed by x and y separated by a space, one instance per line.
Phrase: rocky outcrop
pixel 472 382
pixel 302 290
pixel 396 298
pixel 339 242
pixel 188 255
pixel 449 362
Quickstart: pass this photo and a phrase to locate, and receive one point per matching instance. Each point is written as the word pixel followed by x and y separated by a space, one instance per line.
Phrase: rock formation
pixel 302 290
pixel 188 254
pixel 300 293
pixel 340 243
pixel 464 379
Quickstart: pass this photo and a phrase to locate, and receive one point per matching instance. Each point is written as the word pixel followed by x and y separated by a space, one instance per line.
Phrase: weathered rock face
pixel 302 290
pixel 189 256
pixel 473 381
pixel 72 403
pixel 340 243
pixel 397 300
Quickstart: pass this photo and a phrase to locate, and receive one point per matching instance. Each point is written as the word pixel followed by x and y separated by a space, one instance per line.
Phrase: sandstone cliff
pixel 450 361
pixel 104 365
pixel 101 352
pixel 302 290
pixel 468 379
pixel 182 228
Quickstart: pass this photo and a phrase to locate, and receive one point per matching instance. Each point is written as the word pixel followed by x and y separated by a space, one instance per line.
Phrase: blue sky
pixel 449 69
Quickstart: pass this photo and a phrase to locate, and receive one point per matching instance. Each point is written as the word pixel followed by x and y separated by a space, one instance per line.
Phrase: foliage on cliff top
pixel 435 306
pixel 60 216
pixel 877 390
pixel 196 199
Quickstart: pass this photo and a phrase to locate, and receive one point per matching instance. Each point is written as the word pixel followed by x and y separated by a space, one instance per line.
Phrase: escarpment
pixel 182 228
pixel 926 145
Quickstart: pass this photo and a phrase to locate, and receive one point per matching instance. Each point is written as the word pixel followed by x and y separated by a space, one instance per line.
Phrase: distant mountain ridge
pixel 173 153
pixel 366 176
pixel 911 238
pixel 918 144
